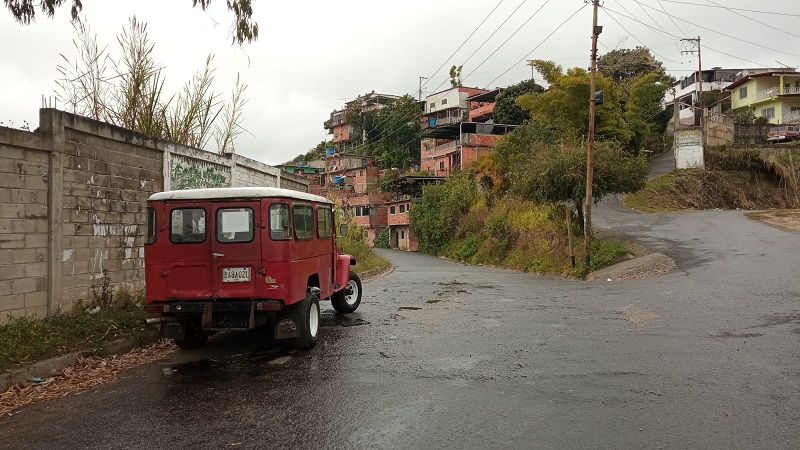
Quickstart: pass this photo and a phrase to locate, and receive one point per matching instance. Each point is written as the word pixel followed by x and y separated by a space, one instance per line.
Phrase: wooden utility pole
pixel 587 217
pixel 420 87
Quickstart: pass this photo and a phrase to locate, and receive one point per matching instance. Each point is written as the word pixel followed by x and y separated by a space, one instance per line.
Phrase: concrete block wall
pixel 72 205
pixel 23 223
pixel 108 174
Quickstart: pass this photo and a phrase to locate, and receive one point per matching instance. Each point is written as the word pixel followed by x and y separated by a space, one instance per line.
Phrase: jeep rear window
pixel 187 225
pixel 235 225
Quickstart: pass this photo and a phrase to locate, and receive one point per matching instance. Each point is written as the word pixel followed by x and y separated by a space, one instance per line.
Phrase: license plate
pixel 235 274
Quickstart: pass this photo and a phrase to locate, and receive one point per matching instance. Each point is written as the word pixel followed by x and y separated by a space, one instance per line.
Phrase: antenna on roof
pixel 784 65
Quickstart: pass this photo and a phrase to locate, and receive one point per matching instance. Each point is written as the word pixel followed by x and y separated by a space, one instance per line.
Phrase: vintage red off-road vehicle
pixel 239 258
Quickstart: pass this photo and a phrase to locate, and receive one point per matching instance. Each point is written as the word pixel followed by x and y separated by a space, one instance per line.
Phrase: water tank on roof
pixel 329 151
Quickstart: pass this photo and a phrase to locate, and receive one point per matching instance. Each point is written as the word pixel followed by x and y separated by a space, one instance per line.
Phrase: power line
pixel 487 39
pixel 465 41
pixel 754 20
pixel 670 17
pixel 509 38
pixel 721 33
pixel 637 39
pixel 736 9
pixel 661 31
pixel 706 46
pixel 539 45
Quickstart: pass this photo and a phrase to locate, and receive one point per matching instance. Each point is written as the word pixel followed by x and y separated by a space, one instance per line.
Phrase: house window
pixel 432 105
pixel 402 235
pixel 743 92
pixel 361 173
pixel 391 209
pixel 402 208
pixel 794 109
pixel 363 211
pixel 441 165
pixel 444 101
pixel 768 113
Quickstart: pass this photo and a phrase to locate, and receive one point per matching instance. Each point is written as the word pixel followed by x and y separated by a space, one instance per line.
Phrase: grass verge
pixel 25 340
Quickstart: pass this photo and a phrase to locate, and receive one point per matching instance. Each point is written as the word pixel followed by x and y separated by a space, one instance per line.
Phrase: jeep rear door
pixel 236 250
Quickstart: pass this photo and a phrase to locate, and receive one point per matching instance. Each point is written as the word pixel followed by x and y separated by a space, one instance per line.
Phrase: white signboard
pixel 689 149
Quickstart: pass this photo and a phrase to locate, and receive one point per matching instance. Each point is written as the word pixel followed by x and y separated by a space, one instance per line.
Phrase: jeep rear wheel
pixel 308 322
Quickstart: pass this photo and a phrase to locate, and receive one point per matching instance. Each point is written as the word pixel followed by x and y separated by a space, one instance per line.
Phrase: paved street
pixel 707 356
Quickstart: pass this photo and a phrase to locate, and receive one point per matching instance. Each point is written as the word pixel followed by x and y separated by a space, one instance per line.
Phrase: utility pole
pixel 694 47
pixel 675 122
pixel 530 63
pixel 420 87
pixel 587 217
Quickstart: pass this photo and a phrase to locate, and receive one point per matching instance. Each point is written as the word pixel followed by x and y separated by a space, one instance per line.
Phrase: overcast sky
pixel 312 56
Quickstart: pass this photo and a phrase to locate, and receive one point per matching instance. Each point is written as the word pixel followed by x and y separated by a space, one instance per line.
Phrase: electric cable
pixel 540 43
pixel 487 39
pixel 721 33
pixel 509 38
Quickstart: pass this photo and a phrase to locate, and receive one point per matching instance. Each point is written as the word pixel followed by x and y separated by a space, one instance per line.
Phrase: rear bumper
pixel 200 307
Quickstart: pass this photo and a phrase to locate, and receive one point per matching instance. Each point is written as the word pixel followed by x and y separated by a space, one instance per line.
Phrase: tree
pixel 391 134
pixel 244 28
pixel 506 109
pixel 624 63
pixel 541 169
pixel 644 114
pixel 455 76
pixel 434 218
pixel 565 106
pixel 398 134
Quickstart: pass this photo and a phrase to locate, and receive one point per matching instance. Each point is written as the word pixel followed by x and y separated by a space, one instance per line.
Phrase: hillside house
pixel 774 95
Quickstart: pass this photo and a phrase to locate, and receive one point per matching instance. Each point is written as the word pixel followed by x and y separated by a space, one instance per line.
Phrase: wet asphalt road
pixel 457 357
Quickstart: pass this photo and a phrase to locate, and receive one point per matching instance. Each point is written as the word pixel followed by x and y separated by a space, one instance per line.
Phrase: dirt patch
pixel 786 219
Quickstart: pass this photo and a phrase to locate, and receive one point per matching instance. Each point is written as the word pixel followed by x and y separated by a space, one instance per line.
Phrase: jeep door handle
pixel 217 255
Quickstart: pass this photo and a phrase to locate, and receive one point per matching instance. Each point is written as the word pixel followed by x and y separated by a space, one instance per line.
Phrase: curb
pixel 375 272
pixel 52 366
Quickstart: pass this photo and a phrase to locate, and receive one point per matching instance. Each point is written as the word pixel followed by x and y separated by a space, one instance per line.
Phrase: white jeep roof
pixel 236 192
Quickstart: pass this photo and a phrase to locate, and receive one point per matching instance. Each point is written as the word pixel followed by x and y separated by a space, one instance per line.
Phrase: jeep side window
pixel 303 217
pixel 152 227
pixel 324 222
pixel 279 228
pixel 187 225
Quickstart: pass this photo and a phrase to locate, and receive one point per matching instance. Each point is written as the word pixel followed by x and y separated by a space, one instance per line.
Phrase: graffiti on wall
pixel 188 174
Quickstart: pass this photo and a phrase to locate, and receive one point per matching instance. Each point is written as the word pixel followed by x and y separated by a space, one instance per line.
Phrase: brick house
pixel 457 146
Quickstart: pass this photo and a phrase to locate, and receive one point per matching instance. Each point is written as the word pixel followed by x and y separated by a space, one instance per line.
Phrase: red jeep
pixel 238 258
